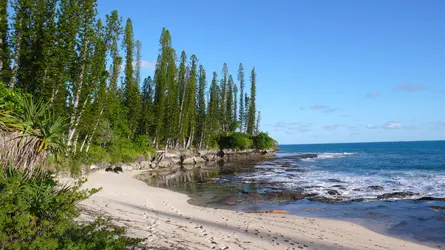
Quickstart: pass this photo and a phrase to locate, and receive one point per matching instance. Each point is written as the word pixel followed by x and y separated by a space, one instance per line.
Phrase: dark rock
pixel 306 156
pixel 287 164
pixel 309 187
pixel 377 188
pixel 335 180
pixel 296 169
pixel 357 189
pixel 117 170
pixel 310 194
pixel 333 192
pixel 326 199
pixel 109 169
pixel 286 196
pixel 437 207
pixel 396 195
pixel 299 157
pixel 363 199
pixel 338 186
pixel 427 198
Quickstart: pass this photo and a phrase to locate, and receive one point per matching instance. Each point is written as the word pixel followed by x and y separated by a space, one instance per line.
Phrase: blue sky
pixel 327 71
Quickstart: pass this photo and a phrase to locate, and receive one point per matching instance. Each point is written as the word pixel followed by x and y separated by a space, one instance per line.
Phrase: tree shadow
pixel 262 236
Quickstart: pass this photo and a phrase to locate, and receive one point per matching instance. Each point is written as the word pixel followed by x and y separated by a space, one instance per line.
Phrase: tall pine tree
pixel 131 86
pixel 5 52
pixel 252 105
pixel 242 109
pixel 201 110
pixel 160 79
pixel 229 104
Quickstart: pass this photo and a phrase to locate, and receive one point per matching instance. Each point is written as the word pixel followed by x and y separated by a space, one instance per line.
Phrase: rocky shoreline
pixel 189 159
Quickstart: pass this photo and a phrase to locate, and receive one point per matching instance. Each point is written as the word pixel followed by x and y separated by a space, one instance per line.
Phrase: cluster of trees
pixel 60 51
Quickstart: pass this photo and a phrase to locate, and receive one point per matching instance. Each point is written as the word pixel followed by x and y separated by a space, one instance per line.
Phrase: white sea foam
pixel 334 155
pixel 356 185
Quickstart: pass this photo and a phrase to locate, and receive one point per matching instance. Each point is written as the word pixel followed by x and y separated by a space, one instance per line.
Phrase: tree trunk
pixel 94 129
pixel 83 143
pixel 73 121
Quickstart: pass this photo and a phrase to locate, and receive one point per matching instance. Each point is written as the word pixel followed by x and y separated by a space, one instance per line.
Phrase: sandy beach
pixel 167 220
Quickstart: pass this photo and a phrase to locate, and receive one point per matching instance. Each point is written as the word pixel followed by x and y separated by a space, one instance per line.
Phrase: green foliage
pixel 32 130
pixel 37 213
pixel 242 141
pixel 263 141
pixel 237 141
pixel 64 54
pixel 252 105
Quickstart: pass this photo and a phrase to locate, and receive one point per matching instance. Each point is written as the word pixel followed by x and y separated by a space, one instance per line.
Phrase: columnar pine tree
pixel 147 105
pixel 235 105
pixel 229 103
pixel 223 98
pixel 201 110
pixel 96 85
pixel 212 127
pixel 246 111
pixel 252 106
pixel 85 37
pixel 182 89
pixel 64 63
pixel 161 84
pixel 114 112
pixel 21 23
pixel 242 109
pixel 131 87
pixel 5 53
pixel 40 81
pixel 171 128
pixel 190 106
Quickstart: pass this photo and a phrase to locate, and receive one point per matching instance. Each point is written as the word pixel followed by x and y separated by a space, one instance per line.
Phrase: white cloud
pixel 318 107
pixel 370 126
pixel 392 125
pixel 147 65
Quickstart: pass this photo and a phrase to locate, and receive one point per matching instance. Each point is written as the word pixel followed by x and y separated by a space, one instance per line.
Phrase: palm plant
pixel 29 131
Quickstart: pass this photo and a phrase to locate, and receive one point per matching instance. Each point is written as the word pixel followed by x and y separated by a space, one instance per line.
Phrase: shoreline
pixel 167 220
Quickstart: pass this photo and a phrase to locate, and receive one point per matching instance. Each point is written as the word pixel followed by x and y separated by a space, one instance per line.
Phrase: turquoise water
pixel 417 167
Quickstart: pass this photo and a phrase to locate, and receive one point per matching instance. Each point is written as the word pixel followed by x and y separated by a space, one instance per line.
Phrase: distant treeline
pixel 89 71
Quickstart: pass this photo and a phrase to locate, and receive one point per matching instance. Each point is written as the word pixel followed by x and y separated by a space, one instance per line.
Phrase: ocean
pixel 417 167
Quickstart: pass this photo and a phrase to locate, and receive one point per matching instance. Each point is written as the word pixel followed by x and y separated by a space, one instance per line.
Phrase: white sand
pixel 167 220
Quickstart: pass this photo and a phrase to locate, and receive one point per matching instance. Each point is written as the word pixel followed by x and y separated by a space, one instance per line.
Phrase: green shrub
pixel 242 141
pixel 236 141
pixel 98 154
pixel 37 213
pixel 127 158
pixel 263 141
